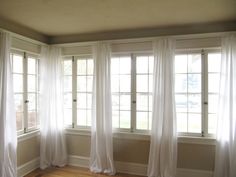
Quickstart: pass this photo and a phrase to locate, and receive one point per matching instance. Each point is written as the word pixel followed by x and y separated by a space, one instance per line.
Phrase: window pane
pixel 194 103
pixel 81 100
pixel 115 63
pixel 90 67
pixel 81 117
pixel 181 102
pixel 81 83
pixel 212 123
pixel 18 98
pixel 68 116
pixel 194 63
pixel 17 64
pixel 150 120
pixel 213 83
pixel 125 83
pixel 32 83
pixel 18 82
pixel 151 64
pixel 150 83
pixel 32 119
pixel 67 83
pixel 194 123
pixel 81 67
pixel 67 67
pixel 142 102
pixel 142 83
pixel 142 120
pixel 181 64
pixel 115 119
pixel 125 102
pixel 181 83
pixel 194 83
pixel 68 100
pixel 142 64
pixel 124 119
pixel 89 83
pixel 115 102
pixel 32 102
pixel 182 122
pixel 31 66
pixel 125 65
pixel 89 117
pixel 115 83
pixel 212 103
pixel 89 101
pixel 19 121
pixel 150 102
pixel 214 62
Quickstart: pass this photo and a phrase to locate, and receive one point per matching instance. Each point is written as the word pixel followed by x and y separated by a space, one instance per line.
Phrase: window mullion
pixel 133 92
pixel 74 92
pixel 205 93
pixel 25 92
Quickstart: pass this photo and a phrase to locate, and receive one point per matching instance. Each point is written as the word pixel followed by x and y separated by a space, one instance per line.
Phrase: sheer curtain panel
pixel 163 147
pixel 52 145
pixel 101 160
pixel 225 163
pixel 8 136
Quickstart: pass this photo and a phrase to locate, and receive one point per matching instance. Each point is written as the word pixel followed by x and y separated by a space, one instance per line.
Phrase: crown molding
pixel 146 32
pixel 23 31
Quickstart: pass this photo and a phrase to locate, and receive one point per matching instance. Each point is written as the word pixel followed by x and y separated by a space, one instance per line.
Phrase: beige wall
pixel 192 156
pixel 27 150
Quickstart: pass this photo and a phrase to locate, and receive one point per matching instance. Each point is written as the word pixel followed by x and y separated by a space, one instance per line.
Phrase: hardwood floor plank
pixel 70 171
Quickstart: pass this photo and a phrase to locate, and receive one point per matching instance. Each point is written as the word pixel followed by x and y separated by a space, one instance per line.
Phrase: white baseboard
pixel 28 167
pixel 184 172
pixel 138 169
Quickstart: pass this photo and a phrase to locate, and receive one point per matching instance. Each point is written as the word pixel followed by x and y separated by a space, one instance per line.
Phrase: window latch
pixel 74 100
pixel 26 101
pixel 134 102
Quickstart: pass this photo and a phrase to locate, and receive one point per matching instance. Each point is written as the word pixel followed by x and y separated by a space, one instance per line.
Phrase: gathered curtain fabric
pixel 52 146
pixel 8 136
pixel 225 161
pixel 163 148
pixel 101 155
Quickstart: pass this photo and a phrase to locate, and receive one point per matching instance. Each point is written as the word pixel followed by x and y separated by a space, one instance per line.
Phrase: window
pixel 196 91
pixel 78 84
pixel 25 85
pixel 131 86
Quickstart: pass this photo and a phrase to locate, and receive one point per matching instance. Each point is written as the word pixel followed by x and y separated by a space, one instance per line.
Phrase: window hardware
pixel 26 101
pixel 74 100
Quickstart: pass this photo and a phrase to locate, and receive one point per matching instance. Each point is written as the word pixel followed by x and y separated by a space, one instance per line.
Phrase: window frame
pixel 74 59
pixel 204 90
pixel 133 100
pixel 25 55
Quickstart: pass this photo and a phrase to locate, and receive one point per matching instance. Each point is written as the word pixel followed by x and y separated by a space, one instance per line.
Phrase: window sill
pixel 28 135
pixel 146 137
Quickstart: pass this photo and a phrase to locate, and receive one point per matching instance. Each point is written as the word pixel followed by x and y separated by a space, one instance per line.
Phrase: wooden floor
pixel 70 171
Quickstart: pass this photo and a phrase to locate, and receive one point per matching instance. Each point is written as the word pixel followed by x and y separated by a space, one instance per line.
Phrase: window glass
pixel 188 75
pixel 121 91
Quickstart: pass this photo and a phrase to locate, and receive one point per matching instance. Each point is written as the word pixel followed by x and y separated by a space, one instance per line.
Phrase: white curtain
pixel 101 156
pixel 225 163
pixel 52 146
pixel 8 137
pixel 163 147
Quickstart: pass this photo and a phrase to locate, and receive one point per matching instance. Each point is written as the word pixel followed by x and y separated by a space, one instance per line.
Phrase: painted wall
pixel 28 150
pixel 191 156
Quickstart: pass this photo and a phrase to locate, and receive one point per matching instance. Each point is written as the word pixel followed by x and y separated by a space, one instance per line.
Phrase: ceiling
pixel 75 17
